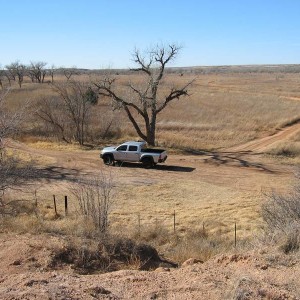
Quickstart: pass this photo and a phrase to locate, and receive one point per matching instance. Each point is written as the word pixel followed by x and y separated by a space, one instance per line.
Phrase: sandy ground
pixel 200 186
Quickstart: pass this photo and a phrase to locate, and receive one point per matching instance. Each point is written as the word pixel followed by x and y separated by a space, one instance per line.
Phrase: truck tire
pixel 108 160
pixel 147 162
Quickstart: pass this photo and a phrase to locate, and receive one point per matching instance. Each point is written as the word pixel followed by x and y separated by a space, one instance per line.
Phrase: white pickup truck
pixel 133 152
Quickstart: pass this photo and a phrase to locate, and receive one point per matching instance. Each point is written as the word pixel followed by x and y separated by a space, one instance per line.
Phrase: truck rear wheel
pixel 108 160
pixel 147 162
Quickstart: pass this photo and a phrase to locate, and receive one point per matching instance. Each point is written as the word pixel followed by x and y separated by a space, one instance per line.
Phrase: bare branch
pixel 174 94
pixel 139 60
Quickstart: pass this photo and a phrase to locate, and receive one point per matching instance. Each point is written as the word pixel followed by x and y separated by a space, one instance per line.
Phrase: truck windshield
pixel 122 148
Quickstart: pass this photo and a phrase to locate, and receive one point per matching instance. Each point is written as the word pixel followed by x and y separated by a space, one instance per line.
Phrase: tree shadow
pixel 54 173
pixel 235 159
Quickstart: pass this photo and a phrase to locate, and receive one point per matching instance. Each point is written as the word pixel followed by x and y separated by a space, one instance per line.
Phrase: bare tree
pixel 52 71
pixel 37 71
pixel 1 77
pixel 20 71
pixel 145 101
pixel 12 172
pixel 17 71
pixel 11 71
pixel 69 72
pixel 51 112
pixel 8 76
pixel 9 120
pixel 76 104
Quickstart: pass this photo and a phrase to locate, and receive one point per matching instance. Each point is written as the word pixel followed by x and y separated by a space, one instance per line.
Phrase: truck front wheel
pixel 108 160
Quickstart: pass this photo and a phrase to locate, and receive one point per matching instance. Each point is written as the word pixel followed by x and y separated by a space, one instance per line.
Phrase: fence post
pixel 54 201
pixel 139 224
pixel 235 234
pixel 66 205
pixel 174 222
pixel 35 197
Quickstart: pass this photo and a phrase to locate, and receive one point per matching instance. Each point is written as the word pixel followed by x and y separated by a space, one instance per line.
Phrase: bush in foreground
pixel 281 212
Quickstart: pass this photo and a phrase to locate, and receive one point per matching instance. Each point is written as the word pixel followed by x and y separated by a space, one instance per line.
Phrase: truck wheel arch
pixel 108 159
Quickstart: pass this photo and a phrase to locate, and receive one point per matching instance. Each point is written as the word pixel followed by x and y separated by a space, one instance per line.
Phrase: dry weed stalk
pixel 95 199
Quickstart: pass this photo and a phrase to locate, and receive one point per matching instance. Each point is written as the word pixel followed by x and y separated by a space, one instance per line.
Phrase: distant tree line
pixel 35 71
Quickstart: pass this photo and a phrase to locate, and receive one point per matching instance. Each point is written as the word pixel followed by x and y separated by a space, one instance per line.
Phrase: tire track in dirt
pixel 261 144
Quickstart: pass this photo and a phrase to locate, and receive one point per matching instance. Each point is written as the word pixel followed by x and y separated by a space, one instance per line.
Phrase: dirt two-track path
pixel 262 144
pixel 244 163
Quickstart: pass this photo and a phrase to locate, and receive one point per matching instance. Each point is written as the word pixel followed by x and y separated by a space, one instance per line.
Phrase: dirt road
pixel 217 188
pixel 262 144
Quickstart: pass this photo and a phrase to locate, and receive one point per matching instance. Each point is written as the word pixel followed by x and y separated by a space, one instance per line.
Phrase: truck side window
pixel 132 148
pixel 122 148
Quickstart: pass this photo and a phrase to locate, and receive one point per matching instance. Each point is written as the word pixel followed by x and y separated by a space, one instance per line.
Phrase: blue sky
pixel 103 33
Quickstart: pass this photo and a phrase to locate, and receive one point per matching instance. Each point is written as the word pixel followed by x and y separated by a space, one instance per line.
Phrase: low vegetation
pixel 222 110
pixel 281 212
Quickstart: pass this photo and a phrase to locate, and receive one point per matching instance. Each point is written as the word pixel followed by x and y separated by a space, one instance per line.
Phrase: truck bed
pixel 150 150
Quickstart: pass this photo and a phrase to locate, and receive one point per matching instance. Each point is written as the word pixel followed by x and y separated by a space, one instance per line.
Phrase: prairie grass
pixel 222 110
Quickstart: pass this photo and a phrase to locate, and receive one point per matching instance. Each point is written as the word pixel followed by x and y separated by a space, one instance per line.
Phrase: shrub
pixel 281 212
pixel 95 199
pixel 109 254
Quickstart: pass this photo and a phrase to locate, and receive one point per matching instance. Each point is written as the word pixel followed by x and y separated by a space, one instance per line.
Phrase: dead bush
pixel 109 254
pixel 14 174
pixel 95 199
pixel 281 212
pixel 198 244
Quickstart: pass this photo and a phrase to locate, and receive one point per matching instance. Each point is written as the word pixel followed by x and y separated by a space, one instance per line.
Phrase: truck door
pixel 121 153
pixel 132 153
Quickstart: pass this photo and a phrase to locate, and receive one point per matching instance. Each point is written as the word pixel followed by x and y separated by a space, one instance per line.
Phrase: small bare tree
pixel 16 70
pixel 11 71
pixel 9 120
pixel 69 72
pixel 52 71
pixel 95 198
pixel 77 101
pixel 8 76
pixel 50 111
pixel 12 172
pixel 37 71
pixel 1 77
pixel 145 101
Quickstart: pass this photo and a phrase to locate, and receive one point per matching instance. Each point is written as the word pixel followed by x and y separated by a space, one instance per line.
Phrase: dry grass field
pixel 222 110
pixel 213 188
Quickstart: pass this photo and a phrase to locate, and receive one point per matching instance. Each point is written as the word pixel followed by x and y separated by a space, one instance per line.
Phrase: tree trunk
pixel 151 130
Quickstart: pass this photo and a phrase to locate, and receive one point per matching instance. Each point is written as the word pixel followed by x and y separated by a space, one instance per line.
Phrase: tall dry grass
pixel 223 109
